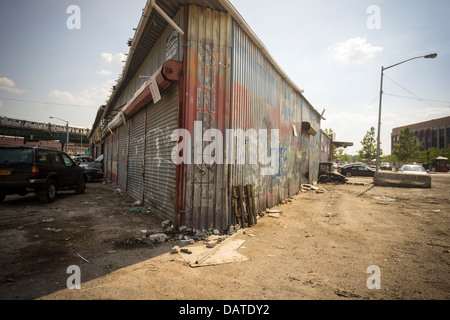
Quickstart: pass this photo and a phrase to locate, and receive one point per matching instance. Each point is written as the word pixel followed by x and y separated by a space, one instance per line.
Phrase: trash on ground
pixel 83 258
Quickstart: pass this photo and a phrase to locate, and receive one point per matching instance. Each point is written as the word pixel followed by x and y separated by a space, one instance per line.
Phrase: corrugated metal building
pixel 207 71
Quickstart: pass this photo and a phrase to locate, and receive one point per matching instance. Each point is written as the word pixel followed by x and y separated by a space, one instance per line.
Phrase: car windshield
pixel 413 168
pixel 8 156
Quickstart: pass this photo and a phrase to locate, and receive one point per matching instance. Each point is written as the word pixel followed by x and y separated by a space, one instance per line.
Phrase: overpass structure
pixel 41 131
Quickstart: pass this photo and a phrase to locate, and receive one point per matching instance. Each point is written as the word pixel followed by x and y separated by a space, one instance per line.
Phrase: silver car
pixel 413 168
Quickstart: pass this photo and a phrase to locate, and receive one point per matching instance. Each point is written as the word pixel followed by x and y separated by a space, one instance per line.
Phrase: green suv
pixel 25 169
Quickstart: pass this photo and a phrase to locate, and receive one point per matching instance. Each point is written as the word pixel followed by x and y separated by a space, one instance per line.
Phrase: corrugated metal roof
pixel 148 32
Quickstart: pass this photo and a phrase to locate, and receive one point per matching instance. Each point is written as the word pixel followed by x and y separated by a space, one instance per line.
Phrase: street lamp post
pixel 428 56
pixel 67 131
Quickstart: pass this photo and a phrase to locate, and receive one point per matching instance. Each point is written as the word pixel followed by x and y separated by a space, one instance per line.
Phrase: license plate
pixel 5 172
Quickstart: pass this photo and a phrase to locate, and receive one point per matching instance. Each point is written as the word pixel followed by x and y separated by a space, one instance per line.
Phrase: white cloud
pixel 92 96
pixel 1 103
pixel 111 64
pixel 9 85
pixel 67 97
pixel 355 50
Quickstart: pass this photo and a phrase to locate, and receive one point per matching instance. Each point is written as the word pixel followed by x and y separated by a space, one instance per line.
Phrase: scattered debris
pixel 383 198
pixel 53 229
pixel 310 187
pixel 83 258
pixel 175 249
pixel 274 215
pixel 274 211
pixel 431 243
pixel 140 209
pixel 211 244
pixel 346 294
pixel 158 237
pixel 184 250
pixel 48 220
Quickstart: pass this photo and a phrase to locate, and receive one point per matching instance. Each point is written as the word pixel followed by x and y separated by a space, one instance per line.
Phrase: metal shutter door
pixel 160 171
pixel 136 151
pixel 123 157
pixel 107 159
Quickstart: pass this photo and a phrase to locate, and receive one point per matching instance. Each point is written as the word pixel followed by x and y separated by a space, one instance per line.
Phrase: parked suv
pixel 25 169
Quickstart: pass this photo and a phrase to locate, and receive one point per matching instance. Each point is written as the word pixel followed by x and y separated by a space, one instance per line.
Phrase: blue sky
pixel 326 47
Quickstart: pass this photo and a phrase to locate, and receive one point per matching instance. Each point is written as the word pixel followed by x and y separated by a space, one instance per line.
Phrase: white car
pixel 413 168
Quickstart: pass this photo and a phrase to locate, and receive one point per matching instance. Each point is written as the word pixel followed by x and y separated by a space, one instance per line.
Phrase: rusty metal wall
pixel 231 84
pixel 123 156
pixel 160 171
pixel 136 152
pixel 261 99
pixel 208 74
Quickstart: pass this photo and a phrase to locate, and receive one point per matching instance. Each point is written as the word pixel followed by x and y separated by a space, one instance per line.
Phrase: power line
pixel 46 102
pixel 417 99
pixel 416 96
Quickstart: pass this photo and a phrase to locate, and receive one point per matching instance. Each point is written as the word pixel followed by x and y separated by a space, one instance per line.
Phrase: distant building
pixel 433 133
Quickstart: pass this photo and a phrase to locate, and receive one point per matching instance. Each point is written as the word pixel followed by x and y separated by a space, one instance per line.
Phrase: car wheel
pixel 348 174
pixel 50 192
pixel 2 197
pixel 81 186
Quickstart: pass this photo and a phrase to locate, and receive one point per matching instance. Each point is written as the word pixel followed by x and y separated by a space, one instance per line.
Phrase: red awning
pixel 170 71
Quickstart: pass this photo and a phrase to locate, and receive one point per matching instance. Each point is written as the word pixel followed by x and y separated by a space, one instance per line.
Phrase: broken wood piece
pixel 274 211
pixel 216 248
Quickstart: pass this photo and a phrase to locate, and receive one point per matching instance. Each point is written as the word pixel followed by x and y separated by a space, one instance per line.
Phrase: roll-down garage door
pixel 135 183
pixel 123 157
pixel 160 171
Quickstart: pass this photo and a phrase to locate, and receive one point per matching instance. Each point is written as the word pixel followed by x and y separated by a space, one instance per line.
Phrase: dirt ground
pixel 320 247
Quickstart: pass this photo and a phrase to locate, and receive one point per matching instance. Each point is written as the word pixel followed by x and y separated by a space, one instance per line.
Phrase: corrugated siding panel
pixel 206 187
pixel 136 151
pixel 160 171
pixel 123 157
pixel 304 169
pixel 261 99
